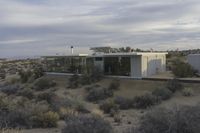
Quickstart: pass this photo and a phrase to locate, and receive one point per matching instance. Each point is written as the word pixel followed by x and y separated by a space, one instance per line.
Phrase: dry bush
pixel 184 119
pixel 85 79
pixel 145 101
pixel 182 69
pixel 97 112
pixel 117 118
pixel 162 93
pixel 23 113
pixel 43 83
pixel 96 94
pixel 67 113
pixel 124 103
pixel 109 106
pixel 10 89
pixel 46 96
pixel 87 124
pixel 187 92
pixel 26 92
pixel 114 85
pixel 57 103
pixel 74 81
pixel 174 85
pixel 45 120
pixel 12 79
pixel 25 75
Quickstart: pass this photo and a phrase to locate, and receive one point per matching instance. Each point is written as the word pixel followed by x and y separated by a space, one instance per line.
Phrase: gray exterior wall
pixel 153 64
pixel 194 61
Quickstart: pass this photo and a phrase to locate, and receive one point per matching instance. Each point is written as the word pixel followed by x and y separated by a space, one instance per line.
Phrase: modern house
pixel 131 64
pixel 194 61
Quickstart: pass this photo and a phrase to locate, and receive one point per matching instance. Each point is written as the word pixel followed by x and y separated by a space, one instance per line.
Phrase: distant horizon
pixel 76 52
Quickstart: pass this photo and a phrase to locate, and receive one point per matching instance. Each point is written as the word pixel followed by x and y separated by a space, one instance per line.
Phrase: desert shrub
pixel 87 124
pixel 100 93
pixel 91 76
pixel 47 96
pixel 26 92
pixel 176 120
pixel 74 81
pixel 4 102
pixel 174 85
pixel 109 106
pixel 85 79
pixel 32 74
pixel 57 103
pixel 187 92
pixel 117 118
pixel 2 74
pixel 18 114
pixel 13 119
pixel 10 89
pixel 92 87
pixel 96 74
pixel 145 101
pixel 12 79
pixel 114 85
pixel 80 106
pixel 46 120
pixel 124 103
pixel 38 72
pixel 35 108
pixel 25 75
pixel 88 88
pixel 182 69
pixel 67 113
pixel 43 83
pixel 162 93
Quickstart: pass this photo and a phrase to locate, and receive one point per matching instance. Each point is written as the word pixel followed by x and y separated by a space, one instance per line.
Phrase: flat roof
pixel 194 55
pixel 110 54
pixel 73 55
pixel 130 54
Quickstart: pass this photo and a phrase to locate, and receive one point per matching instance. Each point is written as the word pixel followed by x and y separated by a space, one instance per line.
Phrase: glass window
pixel 98 59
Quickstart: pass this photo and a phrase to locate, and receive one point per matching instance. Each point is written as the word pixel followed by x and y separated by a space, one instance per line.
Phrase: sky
pixel 49 27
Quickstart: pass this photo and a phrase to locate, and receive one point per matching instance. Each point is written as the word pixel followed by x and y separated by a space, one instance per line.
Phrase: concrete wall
pixel 153 64
pixel 194 61
pixel 136 71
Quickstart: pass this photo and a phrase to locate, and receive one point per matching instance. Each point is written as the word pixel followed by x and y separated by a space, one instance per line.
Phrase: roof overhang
pixel 130 54
pixel 64 56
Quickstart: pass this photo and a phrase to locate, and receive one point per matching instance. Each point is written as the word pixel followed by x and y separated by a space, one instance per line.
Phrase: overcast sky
pixel 45 27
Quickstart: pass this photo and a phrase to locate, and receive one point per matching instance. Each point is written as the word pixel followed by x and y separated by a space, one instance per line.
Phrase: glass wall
pixel 117 66
pixel 64 64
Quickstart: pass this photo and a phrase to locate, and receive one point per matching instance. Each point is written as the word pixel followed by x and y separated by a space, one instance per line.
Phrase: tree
pixel 182 69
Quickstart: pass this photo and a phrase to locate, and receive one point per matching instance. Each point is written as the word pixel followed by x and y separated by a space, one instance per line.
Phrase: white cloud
pixel 50 25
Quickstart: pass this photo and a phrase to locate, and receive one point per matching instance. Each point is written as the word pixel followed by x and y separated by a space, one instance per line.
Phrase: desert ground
pixel 128 88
